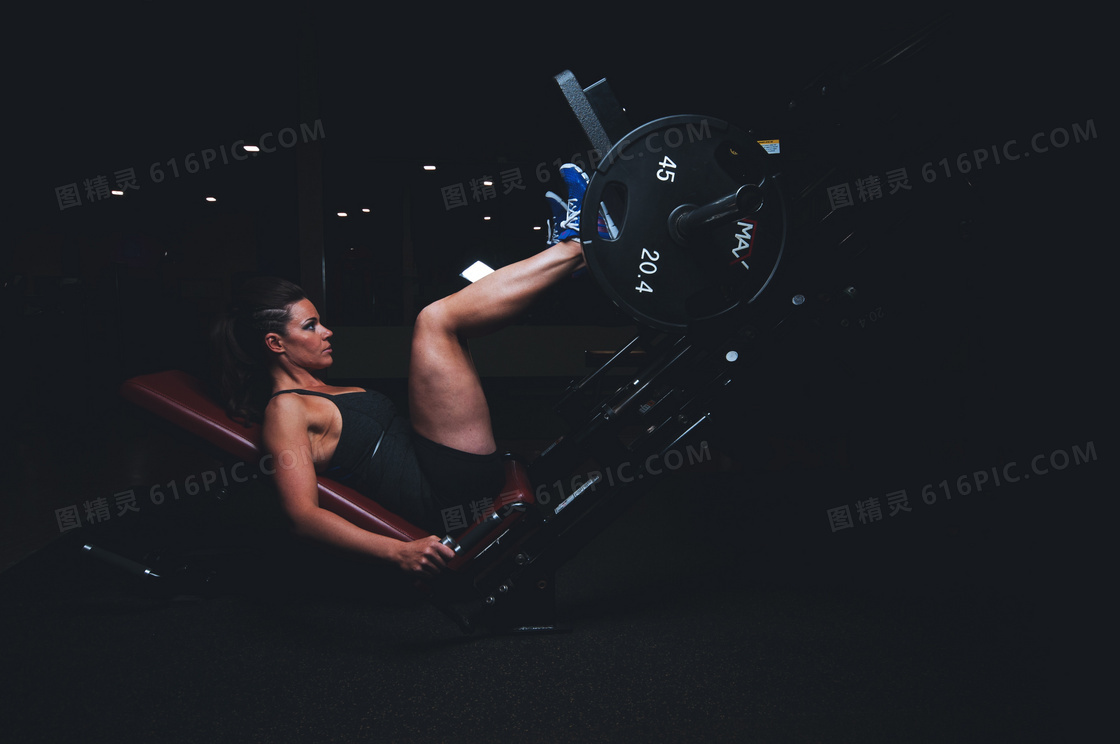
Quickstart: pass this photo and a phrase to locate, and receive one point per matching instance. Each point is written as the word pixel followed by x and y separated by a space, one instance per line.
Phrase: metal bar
pixel 585 113
pixel 609 111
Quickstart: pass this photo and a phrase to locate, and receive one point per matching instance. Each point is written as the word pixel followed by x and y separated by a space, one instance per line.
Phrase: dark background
pixel 991 341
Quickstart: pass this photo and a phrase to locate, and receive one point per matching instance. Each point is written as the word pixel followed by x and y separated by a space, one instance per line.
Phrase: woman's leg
pixel 446 402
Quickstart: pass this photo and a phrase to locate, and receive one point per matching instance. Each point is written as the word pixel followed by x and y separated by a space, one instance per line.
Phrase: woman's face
pixel 305 341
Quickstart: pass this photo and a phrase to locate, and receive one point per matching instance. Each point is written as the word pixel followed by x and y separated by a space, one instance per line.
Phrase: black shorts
pixel 460 479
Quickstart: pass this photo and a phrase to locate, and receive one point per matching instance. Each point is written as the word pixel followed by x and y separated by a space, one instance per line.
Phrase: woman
pixel 273 345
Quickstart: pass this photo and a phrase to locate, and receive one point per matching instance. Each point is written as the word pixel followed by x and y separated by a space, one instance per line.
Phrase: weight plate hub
pixel 686 249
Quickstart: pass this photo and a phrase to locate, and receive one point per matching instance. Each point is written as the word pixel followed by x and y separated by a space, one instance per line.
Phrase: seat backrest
pixel 184 401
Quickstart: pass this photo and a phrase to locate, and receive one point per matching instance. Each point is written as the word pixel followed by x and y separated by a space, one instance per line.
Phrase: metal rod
pixel 686 220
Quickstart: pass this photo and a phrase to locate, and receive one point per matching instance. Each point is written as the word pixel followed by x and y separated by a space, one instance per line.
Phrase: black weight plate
pixel 681 160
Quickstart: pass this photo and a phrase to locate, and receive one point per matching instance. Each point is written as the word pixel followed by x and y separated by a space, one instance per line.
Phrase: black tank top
pixel 375 455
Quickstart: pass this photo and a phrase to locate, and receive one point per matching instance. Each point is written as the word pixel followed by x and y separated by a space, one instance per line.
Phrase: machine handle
pixel 474 535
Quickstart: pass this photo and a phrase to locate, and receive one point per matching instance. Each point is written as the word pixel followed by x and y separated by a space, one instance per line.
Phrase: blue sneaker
pixel 559 213
pixel 576 180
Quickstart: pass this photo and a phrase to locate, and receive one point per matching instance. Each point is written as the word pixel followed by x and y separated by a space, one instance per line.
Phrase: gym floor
pixel 692 619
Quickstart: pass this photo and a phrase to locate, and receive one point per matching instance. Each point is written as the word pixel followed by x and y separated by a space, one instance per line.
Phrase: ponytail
pixel 241 361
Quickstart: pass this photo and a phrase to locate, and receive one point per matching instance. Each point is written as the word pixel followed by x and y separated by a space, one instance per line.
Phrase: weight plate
pixel 664 168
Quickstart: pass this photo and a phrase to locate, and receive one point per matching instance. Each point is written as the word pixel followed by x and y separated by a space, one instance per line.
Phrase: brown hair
pixel 241 362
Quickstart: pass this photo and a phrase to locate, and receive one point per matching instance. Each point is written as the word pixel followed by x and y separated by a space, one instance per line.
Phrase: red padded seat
pixel 183 400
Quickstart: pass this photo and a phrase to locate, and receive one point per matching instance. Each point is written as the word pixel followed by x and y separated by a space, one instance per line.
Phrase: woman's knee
pixel 435 319
pixel 435 335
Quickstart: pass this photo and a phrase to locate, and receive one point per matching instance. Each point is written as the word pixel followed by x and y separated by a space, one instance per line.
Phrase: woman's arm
pixel 285 437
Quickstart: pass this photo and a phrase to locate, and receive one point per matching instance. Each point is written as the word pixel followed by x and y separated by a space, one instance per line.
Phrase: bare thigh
pixel 445 396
